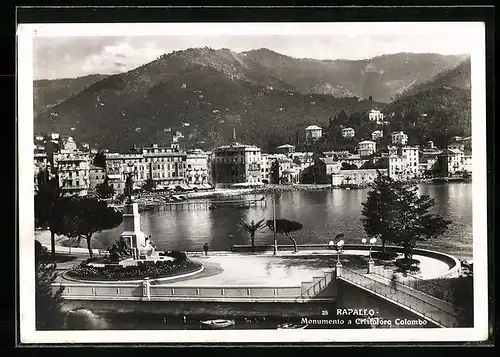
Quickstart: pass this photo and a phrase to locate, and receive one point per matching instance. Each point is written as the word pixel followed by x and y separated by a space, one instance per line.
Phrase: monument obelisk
pixel 132 221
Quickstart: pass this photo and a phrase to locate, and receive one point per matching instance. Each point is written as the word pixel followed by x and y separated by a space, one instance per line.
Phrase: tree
pixel 104 190
pixel 149 185
pixel 99 160
pixel 86 216
pixel 286 228
pixel 252 228
pixel 47 303
pixel 48 210
pixel 395 212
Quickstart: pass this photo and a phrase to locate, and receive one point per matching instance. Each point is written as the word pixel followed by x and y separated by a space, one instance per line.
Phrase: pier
pixel 206 205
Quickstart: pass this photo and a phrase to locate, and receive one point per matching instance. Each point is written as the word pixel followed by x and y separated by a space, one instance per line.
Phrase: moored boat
pixel 217 324
pixel 288 326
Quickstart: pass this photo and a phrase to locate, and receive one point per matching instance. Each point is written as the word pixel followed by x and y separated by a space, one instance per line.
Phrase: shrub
pixel 407 264
pixel 177 255
pixel 384 255
pixel 116 272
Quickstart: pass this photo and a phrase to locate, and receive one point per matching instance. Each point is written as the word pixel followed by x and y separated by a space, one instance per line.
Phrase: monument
pixel 132 222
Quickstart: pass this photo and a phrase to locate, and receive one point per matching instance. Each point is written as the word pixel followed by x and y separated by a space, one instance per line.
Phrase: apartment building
pixel 197 168
pixel 236 164
pixel 73 172
pixel 313 133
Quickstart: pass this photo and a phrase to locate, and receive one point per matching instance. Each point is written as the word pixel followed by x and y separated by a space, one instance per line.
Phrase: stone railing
pixel 432 309
pixel 149 292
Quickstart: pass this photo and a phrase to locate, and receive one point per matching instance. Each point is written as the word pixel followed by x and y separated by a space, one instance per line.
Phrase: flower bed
pixel 151 269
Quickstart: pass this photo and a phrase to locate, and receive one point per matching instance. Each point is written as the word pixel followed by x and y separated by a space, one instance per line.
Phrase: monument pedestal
pixel 132 228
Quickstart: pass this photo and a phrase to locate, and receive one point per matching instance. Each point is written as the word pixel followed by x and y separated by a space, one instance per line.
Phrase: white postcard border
pixel 26 33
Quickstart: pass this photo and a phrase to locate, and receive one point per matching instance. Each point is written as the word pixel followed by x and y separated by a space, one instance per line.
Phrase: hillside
pixel 259 93
pixel 141 112
pixel 50 92
pixel 382 77
pixel 457 77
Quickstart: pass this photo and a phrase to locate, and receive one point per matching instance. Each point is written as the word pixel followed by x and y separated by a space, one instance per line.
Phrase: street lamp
pixel 340 249
pixel 371 242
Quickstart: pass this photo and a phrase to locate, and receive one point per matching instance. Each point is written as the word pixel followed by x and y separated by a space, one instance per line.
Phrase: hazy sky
pixel 72 56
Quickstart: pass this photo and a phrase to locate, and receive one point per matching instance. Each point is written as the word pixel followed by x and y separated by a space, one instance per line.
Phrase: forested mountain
pixel 266 97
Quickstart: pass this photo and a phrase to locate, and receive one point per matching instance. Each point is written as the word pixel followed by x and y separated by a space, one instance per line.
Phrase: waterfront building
pixel 266 166
pixel 467 167
pixel 356 177
pixel 164 165
pixel 376 115
pixel 395 165
pixel 97 175
pixel 321 172
pixel 117 182
pixel 399 138
pixel 237 164
pixel 313 133
pixel 377 134
pixel 302 160
pixel 411 155
pixel 348 132
pixel 73 172
pixel 366 148
pixel 451 162
pixel 352 160
pixel 285 149
pixel 197 168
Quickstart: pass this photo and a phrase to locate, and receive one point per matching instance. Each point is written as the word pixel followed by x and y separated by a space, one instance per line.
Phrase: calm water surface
pixel 323 214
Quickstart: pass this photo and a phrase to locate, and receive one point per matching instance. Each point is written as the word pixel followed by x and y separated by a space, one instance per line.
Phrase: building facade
pixel 313 133
pixel 97 175
pixel 356 177
pixel 348 133
pixel 73 172
pixel 285 149
pixel 399 138
pixel 197 168
pixel 366 148
pixel 411 155
pixel 376 116
pixel 377 134
pixel 237 164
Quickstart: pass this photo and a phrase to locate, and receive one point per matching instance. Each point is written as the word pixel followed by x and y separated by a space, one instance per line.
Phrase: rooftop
pixel 367 142
pixel 286 146
pixel 313 127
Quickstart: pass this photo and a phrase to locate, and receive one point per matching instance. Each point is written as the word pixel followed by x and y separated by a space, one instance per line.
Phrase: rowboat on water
pixel 217 324
pixel 288 326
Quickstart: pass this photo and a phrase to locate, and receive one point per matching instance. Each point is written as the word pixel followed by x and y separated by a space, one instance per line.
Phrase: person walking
pixel 394 281
pixel 205 248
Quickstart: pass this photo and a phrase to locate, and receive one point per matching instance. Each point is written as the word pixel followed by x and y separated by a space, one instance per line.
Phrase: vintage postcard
pixel 252 182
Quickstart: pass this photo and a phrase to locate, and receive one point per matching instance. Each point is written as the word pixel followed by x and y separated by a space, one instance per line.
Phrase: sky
pixel 66 54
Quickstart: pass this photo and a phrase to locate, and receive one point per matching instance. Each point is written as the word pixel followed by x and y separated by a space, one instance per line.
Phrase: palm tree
pixel 252 228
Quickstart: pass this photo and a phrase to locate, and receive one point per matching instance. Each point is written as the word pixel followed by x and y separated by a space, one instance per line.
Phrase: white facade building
pixel 313 133
pixel 411 156
pixel 197 168
pixel 73 172
pixel 348 132
pixel 399 138
pixel 366 147
pixel 377 134
pixel 376 115
pixel 237 164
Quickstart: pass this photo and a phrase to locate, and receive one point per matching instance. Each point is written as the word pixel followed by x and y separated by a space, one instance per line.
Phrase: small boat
pixel 288 326
pixel 217 324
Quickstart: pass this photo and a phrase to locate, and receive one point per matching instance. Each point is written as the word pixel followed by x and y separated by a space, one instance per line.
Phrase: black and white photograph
pixel 252 182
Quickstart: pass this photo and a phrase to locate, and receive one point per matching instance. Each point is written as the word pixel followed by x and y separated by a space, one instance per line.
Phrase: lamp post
pixel 340 248
pixel 371 263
